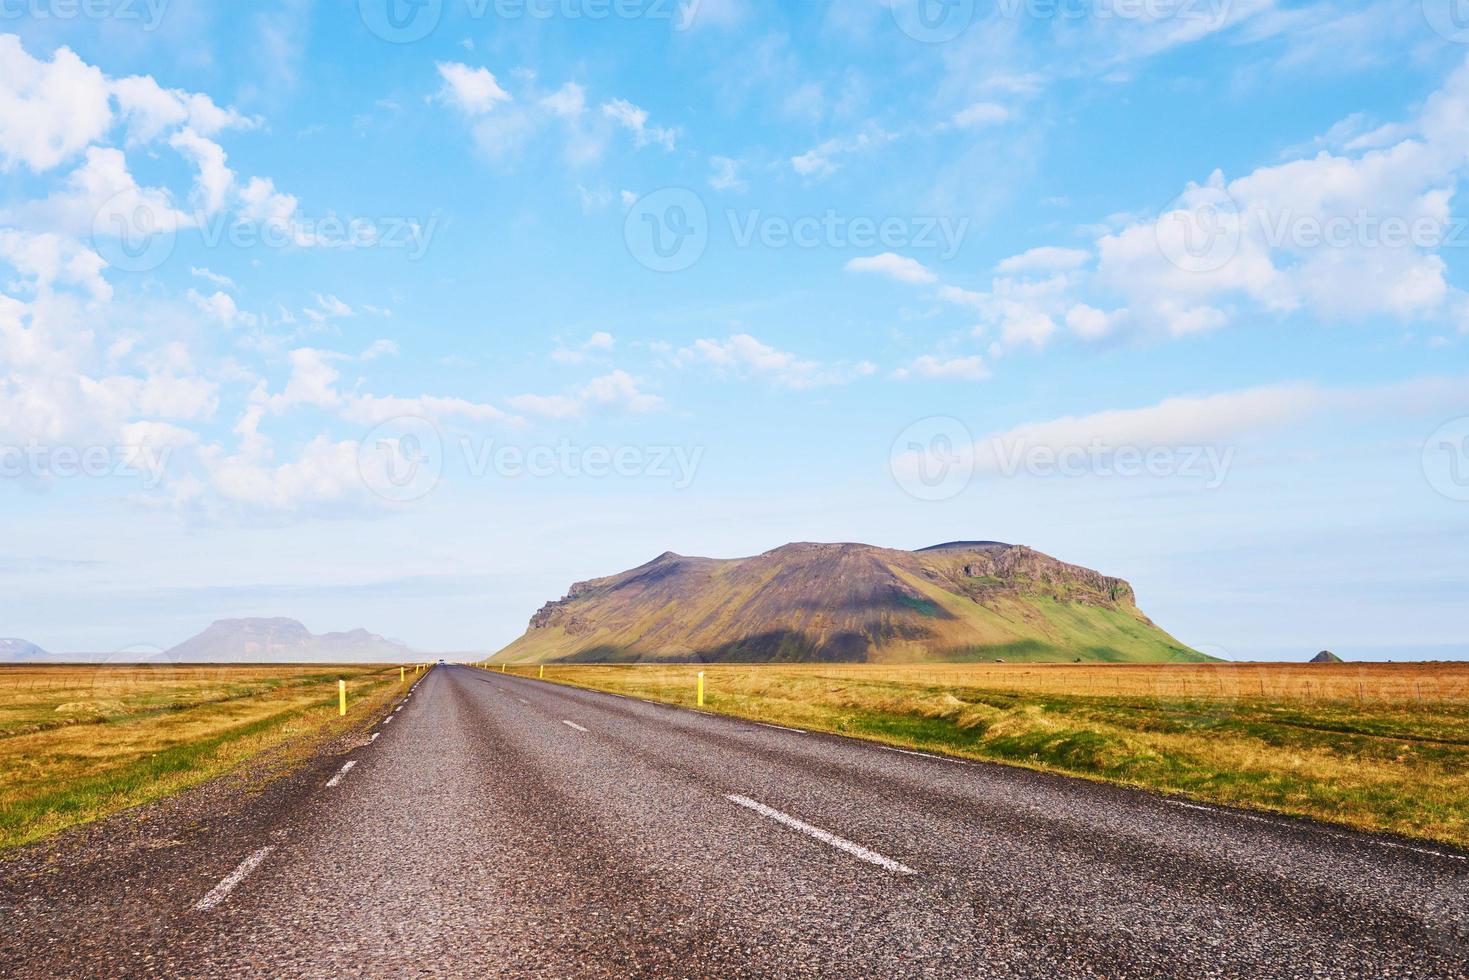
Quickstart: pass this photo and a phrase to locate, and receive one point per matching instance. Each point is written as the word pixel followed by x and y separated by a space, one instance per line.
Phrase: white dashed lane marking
pixel 572 724
pixel 340 773
pixel 222 890
pixel 825 836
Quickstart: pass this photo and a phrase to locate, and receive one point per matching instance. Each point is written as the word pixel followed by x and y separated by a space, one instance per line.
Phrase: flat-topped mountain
pixel 284 641
pixel 966 600
pixel 20 651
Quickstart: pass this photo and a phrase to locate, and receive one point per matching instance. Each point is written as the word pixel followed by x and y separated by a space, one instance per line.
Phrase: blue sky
pixel 411 327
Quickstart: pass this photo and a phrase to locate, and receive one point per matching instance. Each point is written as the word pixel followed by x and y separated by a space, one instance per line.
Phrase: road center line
pixel 1324 833
pixel 572 724
pixel 222 890
pixel 825 836
pixel 342 772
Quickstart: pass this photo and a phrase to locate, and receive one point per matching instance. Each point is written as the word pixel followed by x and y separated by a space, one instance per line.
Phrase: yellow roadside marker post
pixel 402 676
pixel 543 671
pixel 341 697
pixel 701 689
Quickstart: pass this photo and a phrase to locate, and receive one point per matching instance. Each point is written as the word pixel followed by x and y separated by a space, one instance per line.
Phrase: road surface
pixel 498 826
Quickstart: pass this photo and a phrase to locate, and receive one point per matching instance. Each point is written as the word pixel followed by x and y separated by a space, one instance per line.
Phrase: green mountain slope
pixel 852 603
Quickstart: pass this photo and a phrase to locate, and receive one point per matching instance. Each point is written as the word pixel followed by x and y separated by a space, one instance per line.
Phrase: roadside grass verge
pixel 1376 747
pixel 80 743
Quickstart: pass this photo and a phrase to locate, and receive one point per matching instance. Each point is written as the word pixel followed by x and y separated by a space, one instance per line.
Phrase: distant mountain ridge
pixel 19 651
pixel 964 600
pixel 281 640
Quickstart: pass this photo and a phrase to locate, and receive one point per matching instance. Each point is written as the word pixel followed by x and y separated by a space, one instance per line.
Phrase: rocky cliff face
pixel 966 600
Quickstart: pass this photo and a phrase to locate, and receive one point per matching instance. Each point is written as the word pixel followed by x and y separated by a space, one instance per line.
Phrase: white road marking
pixel 782 728
pixel 825 836
pixel 646 701
pixel 388 720
pixel 522 700
pixel 374 736
pixel 1323 833
pixel 572 724
pixel 222 890
pixel 338 777
pixel 924 755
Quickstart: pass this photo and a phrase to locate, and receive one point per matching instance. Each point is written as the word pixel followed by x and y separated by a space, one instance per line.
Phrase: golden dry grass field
pixel 81 742
pixel 1382 747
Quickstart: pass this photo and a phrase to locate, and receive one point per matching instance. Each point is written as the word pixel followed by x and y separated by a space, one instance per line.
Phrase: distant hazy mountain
pixel 284 641
pixel 967 600
pixel 20 651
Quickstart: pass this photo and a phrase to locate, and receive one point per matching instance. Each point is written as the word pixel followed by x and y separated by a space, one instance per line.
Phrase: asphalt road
pixel 504 827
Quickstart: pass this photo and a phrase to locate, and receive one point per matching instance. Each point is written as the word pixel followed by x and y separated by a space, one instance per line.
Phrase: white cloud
pixel 1090 323
pixel 894 266
pixel 1173 422
pixel 616 391
pixel 149 110
pixel 221 307
pixel 48 260
pixel 214 277
pixel 379 348
pixel 599 342
pixel 980 115
pixel 568 102
pixel 327 307
pixel 824 159
pixel 635 120
pixel 215 179
pixel 743 356
pixel 49 110
pixel 970 368
pixel 1045 259
pixel 473 91
pixel 725 175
